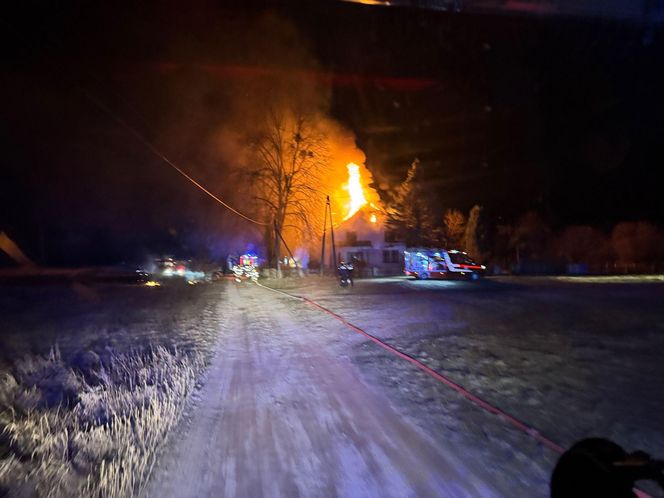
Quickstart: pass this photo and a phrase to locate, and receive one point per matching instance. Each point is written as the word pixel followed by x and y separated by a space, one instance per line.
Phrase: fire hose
pixel 485 405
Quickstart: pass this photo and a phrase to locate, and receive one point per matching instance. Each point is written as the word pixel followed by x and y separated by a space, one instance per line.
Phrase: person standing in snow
pixel 346 273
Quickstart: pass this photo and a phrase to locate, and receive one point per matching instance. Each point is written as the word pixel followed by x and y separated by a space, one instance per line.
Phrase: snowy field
pixel 93 379
pixel 106 318
pixel 295 403
pixel 572 357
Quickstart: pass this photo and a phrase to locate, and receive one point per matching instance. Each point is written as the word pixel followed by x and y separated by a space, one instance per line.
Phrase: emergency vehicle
pixel 246 267
pixel 439 263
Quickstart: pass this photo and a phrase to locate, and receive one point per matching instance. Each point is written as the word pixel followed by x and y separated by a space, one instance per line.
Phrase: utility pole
pixel 334 247
pixel 322 251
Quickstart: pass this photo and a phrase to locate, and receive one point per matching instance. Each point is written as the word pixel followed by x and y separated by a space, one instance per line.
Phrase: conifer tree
pixel 408 215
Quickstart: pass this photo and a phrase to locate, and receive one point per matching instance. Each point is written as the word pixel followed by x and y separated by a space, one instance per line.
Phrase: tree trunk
pixel 277 252
pixel 278 233
pixel 269 244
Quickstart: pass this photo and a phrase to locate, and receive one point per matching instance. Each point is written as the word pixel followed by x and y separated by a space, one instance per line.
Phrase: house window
pixel 391 256
pixel 390 236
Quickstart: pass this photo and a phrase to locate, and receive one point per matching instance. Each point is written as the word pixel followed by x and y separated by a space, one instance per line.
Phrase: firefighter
pixel 345 274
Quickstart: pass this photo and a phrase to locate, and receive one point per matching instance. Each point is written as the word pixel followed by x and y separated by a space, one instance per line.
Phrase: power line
pixel 164 158
pixel 137 135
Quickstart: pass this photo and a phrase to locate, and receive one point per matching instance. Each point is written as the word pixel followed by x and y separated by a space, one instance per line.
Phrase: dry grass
pixel 67 433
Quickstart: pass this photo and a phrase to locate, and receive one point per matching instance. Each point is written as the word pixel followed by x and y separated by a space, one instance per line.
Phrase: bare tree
pixel 529 237
pixel 582 244
pixel 290 156
pixel 637 242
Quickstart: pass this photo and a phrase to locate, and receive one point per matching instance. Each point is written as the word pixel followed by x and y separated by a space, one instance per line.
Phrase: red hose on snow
pixel 532 432
pixel 448 382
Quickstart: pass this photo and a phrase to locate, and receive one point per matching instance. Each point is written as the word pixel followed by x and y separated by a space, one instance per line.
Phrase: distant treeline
pixel 531 246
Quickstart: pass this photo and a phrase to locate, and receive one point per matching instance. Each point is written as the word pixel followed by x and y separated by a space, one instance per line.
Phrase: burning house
pixel 362 237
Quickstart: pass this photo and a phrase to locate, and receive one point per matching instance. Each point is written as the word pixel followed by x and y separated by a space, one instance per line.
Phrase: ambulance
pixel 424 264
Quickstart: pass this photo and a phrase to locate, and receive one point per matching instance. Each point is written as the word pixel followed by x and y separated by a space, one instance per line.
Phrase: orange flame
pixel 355 191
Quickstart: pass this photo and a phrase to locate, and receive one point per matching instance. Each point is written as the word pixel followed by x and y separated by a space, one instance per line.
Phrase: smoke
pixel 212 96
pixel 201 101
pixel 274 71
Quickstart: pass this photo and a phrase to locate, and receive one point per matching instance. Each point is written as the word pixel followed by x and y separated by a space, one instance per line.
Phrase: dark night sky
pixel 565 116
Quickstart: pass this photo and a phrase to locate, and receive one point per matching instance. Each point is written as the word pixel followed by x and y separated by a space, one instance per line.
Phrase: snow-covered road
pixel 284 411
pixel 295 403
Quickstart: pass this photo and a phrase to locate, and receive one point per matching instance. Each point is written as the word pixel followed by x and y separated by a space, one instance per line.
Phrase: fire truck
pixel 245 268
pixel 424 264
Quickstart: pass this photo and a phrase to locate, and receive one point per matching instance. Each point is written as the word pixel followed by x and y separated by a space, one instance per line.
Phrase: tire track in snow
pixel 281 415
